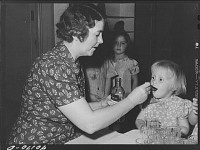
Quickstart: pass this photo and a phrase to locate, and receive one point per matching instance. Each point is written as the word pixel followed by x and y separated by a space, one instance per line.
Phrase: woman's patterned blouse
pixel 54 80
pixel 168 111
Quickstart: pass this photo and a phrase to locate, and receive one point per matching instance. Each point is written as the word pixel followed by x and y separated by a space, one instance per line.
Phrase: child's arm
pixel 134 81
pixel 193 116
pixel 140 120
pixel 183 123
pixel 107 86
pixel 134 70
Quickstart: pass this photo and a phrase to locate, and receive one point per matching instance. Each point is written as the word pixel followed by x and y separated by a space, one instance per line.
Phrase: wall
pixel 27 32
pixel 167 30
pixel 45 26
pixel 121 12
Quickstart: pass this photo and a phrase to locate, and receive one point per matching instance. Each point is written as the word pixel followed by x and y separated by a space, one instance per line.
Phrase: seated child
pixel 167 107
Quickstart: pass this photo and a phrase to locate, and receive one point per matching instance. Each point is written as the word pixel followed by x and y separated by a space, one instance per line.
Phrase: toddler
pixel 166 106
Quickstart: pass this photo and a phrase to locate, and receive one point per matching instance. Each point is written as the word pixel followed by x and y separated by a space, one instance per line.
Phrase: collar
pixel 120 59
pixel 65 55
pixel 163 100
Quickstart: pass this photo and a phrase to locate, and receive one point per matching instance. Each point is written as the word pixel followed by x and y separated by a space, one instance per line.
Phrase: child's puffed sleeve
pixel 134 67
pixel 184 108
pixel 188 107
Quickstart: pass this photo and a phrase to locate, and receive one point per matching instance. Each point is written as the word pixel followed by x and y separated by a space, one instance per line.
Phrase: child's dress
pixel 168 111
pixel 124 68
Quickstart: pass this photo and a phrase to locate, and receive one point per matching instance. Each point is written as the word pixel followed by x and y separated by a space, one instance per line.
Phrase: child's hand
pixel 195 106
pixel 109 101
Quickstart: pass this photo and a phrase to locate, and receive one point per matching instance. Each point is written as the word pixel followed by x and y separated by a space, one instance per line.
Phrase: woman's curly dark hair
pixel 76 21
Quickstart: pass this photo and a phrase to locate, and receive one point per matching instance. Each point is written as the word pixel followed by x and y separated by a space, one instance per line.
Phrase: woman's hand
pixel 140 93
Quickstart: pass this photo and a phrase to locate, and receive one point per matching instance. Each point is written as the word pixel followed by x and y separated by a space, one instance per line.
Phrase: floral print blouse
pixel 124 68
pixel 168 111
pixel 54 80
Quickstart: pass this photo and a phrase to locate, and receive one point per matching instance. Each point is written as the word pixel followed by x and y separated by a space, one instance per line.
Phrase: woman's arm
pixel 193 118
pixel 100 104
pixel 97 105
pixel 90 121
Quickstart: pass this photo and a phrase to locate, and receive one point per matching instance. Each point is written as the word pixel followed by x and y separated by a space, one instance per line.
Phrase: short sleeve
pixel 188 107
pixel 134 67
pixel 184 109
pixel 60 83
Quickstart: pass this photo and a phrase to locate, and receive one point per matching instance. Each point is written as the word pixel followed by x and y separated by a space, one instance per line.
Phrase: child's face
pixel 164 81
pixel 120 45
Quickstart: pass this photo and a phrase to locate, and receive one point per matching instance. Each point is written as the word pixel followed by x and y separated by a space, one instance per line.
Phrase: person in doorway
pixel 122 65
pixel 54 109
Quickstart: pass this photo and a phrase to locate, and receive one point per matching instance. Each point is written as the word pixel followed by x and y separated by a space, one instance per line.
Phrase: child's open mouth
pixel 153 88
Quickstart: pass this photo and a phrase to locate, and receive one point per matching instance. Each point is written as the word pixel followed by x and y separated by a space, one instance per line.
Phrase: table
pixel 126 138
pixel 108 137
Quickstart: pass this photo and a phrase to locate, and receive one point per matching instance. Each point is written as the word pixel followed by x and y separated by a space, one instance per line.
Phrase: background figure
pixel 165 106
pixel 121 64
pixel 95 75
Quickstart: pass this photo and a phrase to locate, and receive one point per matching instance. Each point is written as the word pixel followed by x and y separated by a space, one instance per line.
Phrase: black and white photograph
pixel 99 73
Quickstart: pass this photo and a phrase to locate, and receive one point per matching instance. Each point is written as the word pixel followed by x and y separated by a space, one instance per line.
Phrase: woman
pixel 54 109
